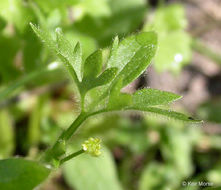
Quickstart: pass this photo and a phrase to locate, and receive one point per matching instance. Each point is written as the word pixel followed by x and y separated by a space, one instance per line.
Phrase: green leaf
pixel 93 65
pixel 115 90
pixel 114 47
pixel 46 37
pixel 118 100
pixel 138 64
pixel 77 60
pixel 152 97
pixel 147 39
pixel 104 78
pixel 167 113
pixel 123 53
pixel 133 55
pixel 88 44
pixel 66 49
pixel 85 172
pixel 18 173
pixel 92 69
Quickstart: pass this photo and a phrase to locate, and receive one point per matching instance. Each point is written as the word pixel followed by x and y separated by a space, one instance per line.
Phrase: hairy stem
pixel 57 150
pixel 74 126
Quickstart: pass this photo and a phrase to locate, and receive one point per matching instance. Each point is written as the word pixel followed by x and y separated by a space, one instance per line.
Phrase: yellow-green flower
pixel 92 146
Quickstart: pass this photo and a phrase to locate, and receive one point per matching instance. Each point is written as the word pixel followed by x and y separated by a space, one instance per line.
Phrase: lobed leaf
pixel 104 78
pixel 115 89
pixel 93 65
pixel 46 37
pixel 123 53
pixel 62 54
pixel 71 53
pixel 114 47
pixel 167 113
pixel 152 97
pixel 118 100
pixel 77 61
pixel 18 173
pixel 133 55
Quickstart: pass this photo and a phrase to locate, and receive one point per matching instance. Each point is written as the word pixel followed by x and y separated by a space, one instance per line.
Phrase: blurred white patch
pixel 53 65
pixel 178 58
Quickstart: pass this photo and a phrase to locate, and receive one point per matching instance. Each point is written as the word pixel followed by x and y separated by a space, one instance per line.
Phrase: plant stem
pixel 56 150
pixel 206 51
pixel 82 102
pixel 71 156
pixel 74 126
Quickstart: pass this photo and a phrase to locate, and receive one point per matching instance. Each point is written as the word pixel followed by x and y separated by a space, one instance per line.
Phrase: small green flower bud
pixel 92 146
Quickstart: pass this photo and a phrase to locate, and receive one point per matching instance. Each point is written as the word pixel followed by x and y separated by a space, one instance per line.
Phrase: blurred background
pixel 140 151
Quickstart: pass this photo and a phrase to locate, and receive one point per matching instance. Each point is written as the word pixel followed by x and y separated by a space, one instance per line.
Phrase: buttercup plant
pixel 99 87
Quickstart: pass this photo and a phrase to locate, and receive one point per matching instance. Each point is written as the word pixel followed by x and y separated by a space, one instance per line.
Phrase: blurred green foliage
pixel 210 111
pixel 86 166
pixel 174 42
pixel 7 143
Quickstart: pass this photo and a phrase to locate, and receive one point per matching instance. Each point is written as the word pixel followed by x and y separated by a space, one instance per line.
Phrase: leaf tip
pixel 145 38
pixel 191 119
pixel 178 97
